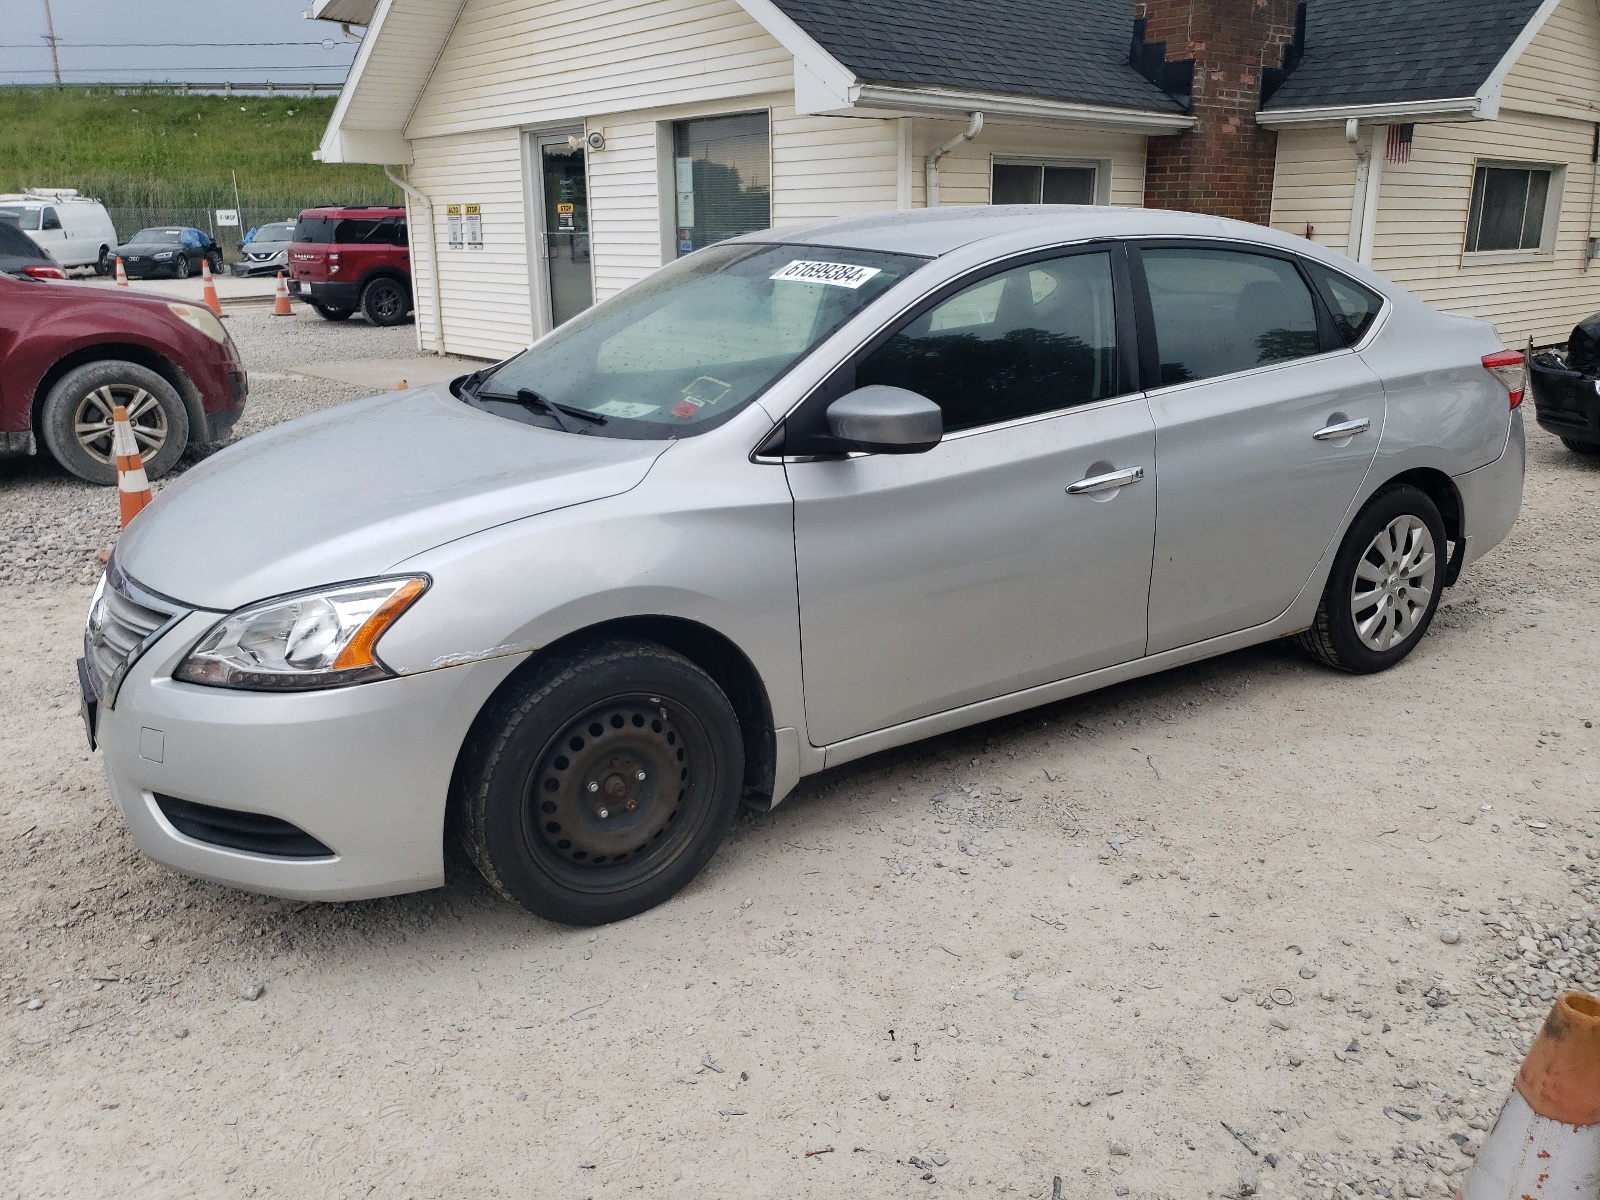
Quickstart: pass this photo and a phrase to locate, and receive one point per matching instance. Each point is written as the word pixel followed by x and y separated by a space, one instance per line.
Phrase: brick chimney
pixel 1224 165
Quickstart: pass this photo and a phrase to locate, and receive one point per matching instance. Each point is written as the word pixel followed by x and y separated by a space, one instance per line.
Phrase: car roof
pixel 355 210
pixel 932 232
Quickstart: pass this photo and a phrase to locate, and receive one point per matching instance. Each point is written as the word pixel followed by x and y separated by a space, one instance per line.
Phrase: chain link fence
pixel 129 220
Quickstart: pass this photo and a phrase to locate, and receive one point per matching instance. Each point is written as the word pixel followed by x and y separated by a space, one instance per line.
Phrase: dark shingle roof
pixel 1384 51
pixel 1061 49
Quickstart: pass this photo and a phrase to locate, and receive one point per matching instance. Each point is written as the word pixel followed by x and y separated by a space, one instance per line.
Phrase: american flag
pixel 1399 149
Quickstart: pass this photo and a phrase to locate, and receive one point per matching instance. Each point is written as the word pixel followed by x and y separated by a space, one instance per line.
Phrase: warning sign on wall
pixel 452 225
pixel 473 221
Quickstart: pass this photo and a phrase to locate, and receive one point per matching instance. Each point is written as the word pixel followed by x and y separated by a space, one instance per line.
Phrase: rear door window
pixel 1221 311
pixel 1030 340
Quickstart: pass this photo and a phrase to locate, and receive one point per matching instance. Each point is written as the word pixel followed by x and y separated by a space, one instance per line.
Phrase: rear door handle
pixel 1106 483
pixel 1344 429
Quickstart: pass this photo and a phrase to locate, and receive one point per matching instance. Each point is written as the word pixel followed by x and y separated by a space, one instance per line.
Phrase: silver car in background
pixel 797 498
pixel 265 250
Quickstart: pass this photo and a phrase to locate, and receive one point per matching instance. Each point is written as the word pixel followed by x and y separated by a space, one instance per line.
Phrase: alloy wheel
pixel 93 424
pixel 1394 583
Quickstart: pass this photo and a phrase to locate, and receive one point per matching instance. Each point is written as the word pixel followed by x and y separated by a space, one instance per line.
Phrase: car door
pixel 1265 428
pixel 52 236
pixel 1014 553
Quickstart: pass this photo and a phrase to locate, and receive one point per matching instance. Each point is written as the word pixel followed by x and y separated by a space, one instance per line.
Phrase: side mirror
pixel 886 420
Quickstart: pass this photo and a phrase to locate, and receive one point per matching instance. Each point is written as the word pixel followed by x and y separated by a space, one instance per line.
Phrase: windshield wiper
pixel 563 415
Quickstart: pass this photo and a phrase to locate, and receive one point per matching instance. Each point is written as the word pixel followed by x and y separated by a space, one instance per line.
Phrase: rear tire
pixel 106 263
pixel 1577 447
pixel 216 262
pixel 385 301
pixel 76 419
pixel 600 784
pixel 333 314
pixel 1385 585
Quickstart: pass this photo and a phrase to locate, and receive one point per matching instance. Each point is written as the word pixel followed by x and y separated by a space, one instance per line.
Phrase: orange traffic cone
pixel 212 302
pixel 122 275
pixel 133 488
pixel 1546 1142
pixel 280 304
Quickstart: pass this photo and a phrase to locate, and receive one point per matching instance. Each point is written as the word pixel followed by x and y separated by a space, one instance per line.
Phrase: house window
pixel 722 169
pixel 1510 206
pixel 1044 183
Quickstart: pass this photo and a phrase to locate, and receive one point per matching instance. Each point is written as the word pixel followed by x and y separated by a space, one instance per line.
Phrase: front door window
pixel 566 231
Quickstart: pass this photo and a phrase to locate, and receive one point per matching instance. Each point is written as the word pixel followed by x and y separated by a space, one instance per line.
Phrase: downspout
pixel 971 131
pixel 1358 202
pixel 433 255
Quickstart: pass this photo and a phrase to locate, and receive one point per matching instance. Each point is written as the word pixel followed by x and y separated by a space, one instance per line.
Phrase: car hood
pixel 349 492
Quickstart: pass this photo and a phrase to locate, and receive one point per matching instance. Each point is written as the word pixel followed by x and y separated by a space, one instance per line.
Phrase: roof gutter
pixel 426 205
pixel 973 129
pixel 882 100
pixel 1459 108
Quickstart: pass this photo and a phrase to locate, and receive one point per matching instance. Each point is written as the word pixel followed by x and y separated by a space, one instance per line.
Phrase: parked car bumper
pixel 328 295
pixel 364 770
pixel 257 268
pixel 1566 403
pixel 1491 496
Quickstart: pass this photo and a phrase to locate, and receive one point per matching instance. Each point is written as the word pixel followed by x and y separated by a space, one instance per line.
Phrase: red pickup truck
pixel 349 258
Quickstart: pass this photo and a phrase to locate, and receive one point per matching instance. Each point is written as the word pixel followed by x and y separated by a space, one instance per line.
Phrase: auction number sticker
pixel 845 275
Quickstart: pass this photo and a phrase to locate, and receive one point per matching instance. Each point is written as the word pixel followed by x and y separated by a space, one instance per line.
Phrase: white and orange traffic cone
pixel 133 488
pixel 210 294
pixel 1546 1142
pixel 280 303
pixel 122 275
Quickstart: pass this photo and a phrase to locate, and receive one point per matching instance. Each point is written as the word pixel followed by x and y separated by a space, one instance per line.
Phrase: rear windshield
pixel 26 218
pixel 16 244
pixel 346 231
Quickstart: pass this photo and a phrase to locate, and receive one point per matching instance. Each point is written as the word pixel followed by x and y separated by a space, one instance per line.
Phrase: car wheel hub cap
pixel 610 785
pixel 92 421
pixel 1394 584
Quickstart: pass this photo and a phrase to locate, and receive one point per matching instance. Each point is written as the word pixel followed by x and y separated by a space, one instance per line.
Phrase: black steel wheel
pixel 599 785
pixel 385 301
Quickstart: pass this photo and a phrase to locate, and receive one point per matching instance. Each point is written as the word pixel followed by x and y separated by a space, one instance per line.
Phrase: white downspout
pixel 433 255
pixel 1369 218
pixel 1358 202
pixel 971 131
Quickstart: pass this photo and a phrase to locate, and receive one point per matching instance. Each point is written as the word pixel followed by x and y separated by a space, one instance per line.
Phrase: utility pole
pixel 50 36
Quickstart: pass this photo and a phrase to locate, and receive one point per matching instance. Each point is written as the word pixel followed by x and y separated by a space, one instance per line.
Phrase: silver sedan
pixel 794 499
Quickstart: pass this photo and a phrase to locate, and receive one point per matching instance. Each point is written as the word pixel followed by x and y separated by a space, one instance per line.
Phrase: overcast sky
pixel 25 56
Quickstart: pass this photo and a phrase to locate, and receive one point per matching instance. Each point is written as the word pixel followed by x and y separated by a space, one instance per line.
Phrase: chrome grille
pixel 122 621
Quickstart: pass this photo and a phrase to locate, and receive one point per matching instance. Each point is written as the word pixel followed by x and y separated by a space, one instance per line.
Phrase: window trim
pixel 1149 346
pixel 1549 230
pixel 1100 166
pixel 841 379
pixel 1386 305
pixel 666 173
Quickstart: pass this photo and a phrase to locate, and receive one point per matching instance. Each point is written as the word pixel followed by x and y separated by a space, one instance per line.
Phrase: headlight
pixel 319 639
pixel 165 254
pixel 202 319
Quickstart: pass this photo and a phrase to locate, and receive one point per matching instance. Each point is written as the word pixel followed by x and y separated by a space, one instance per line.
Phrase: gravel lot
pixel 1248 927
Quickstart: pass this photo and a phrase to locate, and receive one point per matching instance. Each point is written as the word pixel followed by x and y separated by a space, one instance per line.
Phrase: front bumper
pixel 1491 496
pixel 364 770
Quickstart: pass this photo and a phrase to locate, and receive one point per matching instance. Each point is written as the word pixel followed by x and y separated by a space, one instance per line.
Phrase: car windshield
pixel 25 218
pixel 694 343
pixel 272 233
pixel 146 236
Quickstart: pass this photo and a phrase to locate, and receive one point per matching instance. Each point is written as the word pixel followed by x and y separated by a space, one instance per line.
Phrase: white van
pixel 75 230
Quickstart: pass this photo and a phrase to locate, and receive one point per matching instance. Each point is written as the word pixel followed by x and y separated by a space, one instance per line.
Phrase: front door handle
pixel 1106 483
pixel 1344 429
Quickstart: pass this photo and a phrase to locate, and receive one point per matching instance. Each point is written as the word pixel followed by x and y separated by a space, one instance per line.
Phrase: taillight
pixel 45 272
pixel 1510 367
pixel 333 264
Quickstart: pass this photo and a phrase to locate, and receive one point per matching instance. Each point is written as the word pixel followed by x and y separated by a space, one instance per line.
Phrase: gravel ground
pixel 1248 927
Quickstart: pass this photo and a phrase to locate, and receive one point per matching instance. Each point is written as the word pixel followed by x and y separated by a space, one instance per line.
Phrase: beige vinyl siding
pixel 832 166
pixel 625 203
pixel 1559 73
pixel 509 62
pixel 485 295
pixel 966 175
pixel 1422 224
pixel 1315 184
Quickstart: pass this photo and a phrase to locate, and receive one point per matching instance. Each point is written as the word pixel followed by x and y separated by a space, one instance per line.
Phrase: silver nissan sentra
pixel 797 498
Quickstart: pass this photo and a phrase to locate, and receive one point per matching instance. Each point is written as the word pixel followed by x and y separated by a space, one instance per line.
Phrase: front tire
pixel 106 263
pixel 1577 447
pixel 1385 585
pixel 76 419
pixel 333 314
pixel 385 301
pixel 600 784
pixel 180 269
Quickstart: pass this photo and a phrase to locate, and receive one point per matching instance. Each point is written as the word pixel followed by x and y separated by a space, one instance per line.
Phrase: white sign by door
pixel 228 216
pixel 452 225
pixel 473 223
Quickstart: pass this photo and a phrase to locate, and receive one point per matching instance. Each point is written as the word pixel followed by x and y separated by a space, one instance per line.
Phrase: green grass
pixel 152 151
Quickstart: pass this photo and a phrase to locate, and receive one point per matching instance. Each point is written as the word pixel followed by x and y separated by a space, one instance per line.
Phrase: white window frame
pixel 1548 233
pixel 1100 166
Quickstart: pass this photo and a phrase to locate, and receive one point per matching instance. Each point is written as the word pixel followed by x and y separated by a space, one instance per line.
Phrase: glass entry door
pixel 565 195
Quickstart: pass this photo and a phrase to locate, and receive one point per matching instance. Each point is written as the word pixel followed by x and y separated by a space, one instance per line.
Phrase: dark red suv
pixel 342 259
pixel 70 352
